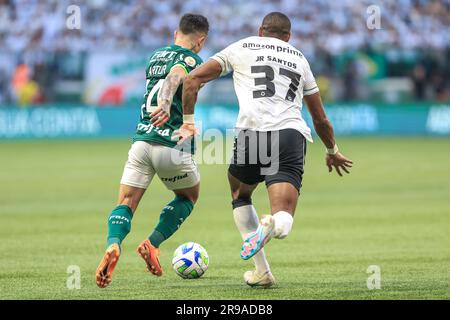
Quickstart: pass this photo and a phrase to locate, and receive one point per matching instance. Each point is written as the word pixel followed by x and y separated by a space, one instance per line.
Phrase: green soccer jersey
pixel 159 66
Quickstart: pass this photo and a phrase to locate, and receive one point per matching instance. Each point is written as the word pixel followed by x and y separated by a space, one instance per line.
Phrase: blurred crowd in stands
pixel 35 33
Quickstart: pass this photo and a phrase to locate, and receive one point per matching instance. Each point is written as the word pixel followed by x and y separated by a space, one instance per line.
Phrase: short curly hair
pixel 276 23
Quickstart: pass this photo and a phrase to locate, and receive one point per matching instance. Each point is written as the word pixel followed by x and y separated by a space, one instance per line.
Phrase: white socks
pixel 283 224
pixel 247 221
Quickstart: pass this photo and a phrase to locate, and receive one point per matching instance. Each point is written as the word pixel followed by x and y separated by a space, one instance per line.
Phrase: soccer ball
pixel 190 260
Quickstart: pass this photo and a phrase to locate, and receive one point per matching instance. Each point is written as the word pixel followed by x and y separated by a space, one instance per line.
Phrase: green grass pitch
pixel 392 211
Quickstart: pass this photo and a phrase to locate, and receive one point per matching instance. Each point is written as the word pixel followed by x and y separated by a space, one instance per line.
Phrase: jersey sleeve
pixel 225 59
pixel 310 86
pixel 187 62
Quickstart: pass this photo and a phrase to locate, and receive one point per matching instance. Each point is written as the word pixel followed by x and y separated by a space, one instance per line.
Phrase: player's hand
pixel 186 131
pixel 339 162
pixel 159 117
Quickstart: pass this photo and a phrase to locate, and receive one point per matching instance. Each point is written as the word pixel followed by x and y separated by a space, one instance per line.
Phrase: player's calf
pixel 171 218
pixel 283 198
pixel 119 224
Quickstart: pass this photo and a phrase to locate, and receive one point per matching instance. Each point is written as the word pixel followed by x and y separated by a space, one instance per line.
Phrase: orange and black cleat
pixel 103 275
pixel 150 255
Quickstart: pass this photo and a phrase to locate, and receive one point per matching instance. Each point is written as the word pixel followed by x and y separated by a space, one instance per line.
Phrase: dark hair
pixel 276 24
pixel 192 23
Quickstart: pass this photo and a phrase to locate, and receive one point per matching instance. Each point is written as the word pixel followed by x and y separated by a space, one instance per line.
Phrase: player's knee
pixel 234 189
pixel 242 194
pixel 234 194
pixel 191 196
pixel 283 224
pixel 234 186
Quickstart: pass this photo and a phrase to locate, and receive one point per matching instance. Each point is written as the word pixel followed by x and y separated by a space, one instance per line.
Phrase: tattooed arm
pixel 170 85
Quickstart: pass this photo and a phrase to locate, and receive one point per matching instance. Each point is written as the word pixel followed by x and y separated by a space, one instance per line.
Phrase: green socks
pixel 119 224
pixel 172 216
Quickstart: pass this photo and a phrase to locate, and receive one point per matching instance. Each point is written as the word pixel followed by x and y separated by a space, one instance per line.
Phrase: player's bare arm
pixel 325 131
pixel 170 85
pixel 209 71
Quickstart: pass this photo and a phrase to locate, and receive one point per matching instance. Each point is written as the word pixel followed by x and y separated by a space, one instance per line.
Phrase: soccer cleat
pixel 103 275
pixel 257 239
pixel 259 280
pixel 150 255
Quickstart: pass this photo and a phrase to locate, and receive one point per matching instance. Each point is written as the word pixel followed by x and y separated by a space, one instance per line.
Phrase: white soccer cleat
pixel 256 240
pixel 259 280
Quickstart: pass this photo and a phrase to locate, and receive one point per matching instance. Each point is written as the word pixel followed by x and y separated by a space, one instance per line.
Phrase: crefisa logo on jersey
pixel 189 61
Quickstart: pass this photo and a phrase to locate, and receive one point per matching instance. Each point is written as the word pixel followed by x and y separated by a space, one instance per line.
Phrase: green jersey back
pixel 158 67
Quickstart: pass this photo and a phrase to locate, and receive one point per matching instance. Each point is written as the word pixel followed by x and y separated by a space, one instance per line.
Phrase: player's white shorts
pixel 176 169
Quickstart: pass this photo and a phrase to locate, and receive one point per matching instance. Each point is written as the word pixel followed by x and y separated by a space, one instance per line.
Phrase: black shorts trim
pixel 273 157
